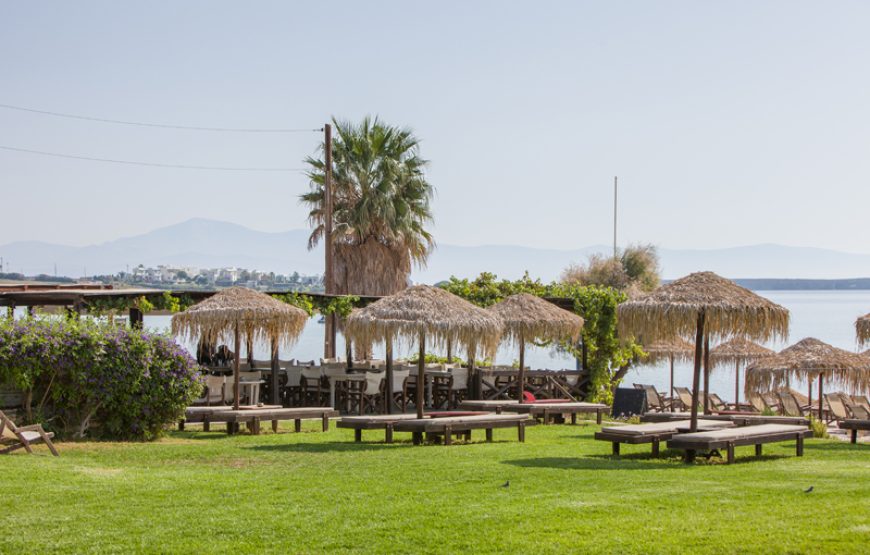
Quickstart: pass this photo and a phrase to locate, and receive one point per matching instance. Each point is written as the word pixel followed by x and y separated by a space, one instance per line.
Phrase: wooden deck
pixel 653 433
pixel 252 417
pixel 713 441
pixel 854 425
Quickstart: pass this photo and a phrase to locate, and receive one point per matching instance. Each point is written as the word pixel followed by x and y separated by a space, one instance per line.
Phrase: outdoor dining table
pixel 345 378
pixel 251 389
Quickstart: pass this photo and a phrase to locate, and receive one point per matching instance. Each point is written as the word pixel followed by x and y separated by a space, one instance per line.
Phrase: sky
pixel 727 123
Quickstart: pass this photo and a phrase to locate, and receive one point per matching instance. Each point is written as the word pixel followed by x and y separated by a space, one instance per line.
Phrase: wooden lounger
pixel 549 411
pixel 384 422
pixel 854 425
pixel 739 418
pixel 653 433
pixel 748 435
pixel 446 427
pixel 494 405
pixel 202 415
pixel 253 417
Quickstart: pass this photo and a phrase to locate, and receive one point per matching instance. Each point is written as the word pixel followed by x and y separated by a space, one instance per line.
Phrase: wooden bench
pixel 654 432
pixel 545 409
pixel 384 422
pixel 739 418
pixel 203 415
pixel 253 417
pixel 854 425
pixel 715 440
pixel 446 427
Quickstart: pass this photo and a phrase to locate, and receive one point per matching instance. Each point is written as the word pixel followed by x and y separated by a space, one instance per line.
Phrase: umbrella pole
pixel 820 397
pixel 672 382
pixel 449 352
pixel 706 374
pixel 388 390
pixel 421 375
pixel 696 374
pixel 275 369
pixel 238 340
pixel 737 385
pixel 521 375
pixel 473 391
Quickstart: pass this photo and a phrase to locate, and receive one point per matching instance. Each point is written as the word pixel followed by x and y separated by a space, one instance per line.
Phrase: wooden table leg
pixel 800 446
pixel 855 435
pixel 615 447
pixel 758 450
pixel 489 435
pixel 598 416
pixel 325 423
pixel 357 435
pixel 573 418
pixel 256 426
pixel 730 453
pixel 655 447
pixel 297 425
pixel 689 456
pixel 546 416
pixel 388 435
pixel 417 437
pixel 206 425
pixel 275 426
pixel 448 435
pixel 521 432
pixel 181 425
pixel 230 428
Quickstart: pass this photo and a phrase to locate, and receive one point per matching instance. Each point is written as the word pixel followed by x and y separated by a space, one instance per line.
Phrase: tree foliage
pixel 636 269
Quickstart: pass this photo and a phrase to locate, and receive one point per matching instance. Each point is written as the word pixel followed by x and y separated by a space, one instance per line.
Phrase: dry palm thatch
pixel 670 350
pixel 707 306
pixel 424 313
pixel 738 350
pixel 810 359
pixel 862 329
pixel 239 312
pixel 527 318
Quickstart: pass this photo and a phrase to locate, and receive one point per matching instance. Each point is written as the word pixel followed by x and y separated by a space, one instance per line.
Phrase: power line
pixel 149 164
pixel 159 125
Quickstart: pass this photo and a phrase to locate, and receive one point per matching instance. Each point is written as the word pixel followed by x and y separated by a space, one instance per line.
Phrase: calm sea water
pixel 826 315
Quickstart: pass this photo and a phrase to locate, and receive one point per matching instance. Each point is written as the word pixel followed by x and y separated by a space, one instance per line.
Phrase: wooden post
pixel 810 392
pixel 696 374
pixel 449 351
pixel 521 375
pixel 328 270
pixel 821 398
pixel 238 344
pixel 737 385
pixel 136 318
pixel 706 374
pixel 348 350
pixel 421 376
pixel 249 347
pixel 473 382
pixel 276 368
pixel 672 380
pixel 388 390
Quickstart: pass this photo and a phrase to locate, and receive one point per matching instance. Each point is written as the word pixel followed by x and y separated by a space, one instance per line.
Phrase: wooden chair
pixel 861 400
pixel 836 408
pixel 756 402
pixel 858 411
pixel 372 394
pixel 718 404
pixel 399 391
pixel 292 389
pixel 458 386
pixel 312 391
pixel 685 397
pixel 772 401
pixel 12 437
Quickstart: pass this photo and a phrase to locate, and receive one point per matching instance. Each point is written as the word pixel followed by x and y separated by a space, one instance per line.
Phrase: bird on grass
pixel 808 490
pixel 506 484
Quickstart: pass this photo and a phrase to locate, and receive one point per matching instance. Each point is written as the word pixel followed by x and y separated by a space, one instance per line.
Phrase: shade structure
pixel 811 359
pixel 707 306
pixel 529 318
pixel 737 351
pixel 240 312
pixel 670 350
pixel 424 313
pixel 862 330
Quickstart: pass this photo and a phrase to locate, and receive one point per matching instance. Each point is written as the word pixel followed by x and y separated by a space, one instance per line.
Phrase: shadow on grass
pixel 331 447
pixel 835 445
pixel 594 462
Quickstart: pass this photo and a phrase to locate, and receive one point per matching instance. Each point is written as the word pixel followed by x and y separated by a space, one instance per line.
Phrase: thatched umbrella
pixel 238 311
pixel 862 329
pixel 809 358
pixel 424 313
pixel 705 305
pixel 736 351
pixel 527 318
pixel 670 350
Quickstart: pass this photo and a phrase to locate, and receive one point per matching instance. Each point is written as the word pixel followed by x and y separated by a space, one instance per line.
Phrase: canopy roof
pixel 738 349
pixel 862 329
pixel 526 317
pixel 439 314
pixel 807 359
pixel 664 349
pixel 672 310
pixel 255 314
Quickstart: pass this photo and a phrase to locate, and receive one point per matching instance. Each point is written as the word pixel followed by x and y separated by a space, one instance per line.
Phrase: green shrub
pixel 86 378
pixel 819 427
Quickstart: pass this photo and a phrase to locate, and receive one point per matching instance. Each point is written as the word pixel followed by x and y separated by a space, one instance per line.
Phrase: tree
pixel 381 207
pixel 635 270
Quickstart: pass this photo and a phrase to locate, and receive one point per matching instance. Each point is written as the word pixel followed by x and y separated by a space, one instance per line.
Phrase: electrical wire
pixel 159 125
pixel 149 164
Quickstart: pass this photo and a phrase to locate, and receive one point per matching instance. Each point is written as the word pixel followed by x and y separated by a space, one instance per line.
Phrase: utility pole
pixel 328 278
pixel 615 189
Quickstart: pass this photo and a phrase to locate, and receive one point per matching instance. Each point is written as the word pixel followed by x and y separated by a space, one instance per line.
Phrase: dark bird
pixel 506 484
pixel 808 490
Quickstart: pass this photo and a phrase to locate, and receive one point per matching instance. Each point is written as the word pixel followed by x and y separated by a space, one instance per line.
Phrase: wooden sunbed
pixel 384 422
pixel 547 410
pixel 854 424
pixel 739 418
pixel 253 417
pixel 654 432
pixel 446 427
pixel 715 440
pixel 199 414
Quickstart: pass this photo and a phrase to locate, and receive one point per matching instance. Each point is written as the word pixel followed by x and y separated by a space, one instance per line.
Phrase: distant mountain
pixel 210 244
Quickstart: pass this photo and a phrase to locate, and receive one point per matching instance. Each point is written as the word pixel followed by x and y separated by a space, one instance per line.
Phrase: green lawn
pixel 321 493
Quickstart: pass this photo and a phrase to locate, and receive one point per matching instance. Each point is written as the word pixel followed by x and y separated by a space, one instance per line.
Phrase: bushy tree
pixel 634 270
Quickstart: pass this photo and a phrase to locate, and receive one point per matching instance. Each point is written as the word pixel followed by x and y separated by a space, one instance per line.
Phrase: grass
pixel 319 492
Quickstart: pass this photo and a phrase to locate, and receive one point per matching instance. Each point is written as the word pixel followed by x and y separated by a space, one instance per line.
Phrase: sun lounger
pixel 853 425
pixel 13 437
pixel 715 440
pixel 446 427
pixel 253 417
pixel 384 422
pixel 739 418
pixel 653 433
pixel 548 412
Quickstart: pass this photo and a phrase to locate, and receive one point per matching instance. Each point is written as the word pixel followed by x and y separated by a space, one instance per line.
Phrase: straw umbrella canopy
pixel 809 358
pixel 239 312
pixel 527 318
pixel 705 305
pixel 424 313
pixel 736 351
pixel 670 350
pixel 862 329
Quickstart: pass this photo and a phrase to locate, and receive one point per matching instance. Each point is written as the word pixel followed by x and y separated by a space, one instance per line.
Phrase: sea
pixel 826 315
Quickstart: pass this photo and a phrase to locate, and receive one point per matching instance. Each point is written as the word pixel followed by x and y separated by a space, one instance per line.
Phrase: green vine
pixel 144 303
pixel 342 306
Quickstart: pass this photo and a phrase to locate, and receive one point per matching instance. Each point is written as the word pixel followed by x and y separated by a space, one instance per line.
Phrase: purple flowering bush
pixel 83 378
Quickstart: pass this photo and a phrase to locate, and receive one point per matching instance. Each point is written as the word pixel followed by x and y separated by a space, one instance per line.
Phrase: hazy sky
pixel 727 123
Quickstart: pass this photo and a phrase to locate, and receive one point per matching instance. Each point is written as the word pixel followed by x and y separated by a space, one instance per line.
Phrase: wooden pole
pixel 449 352
pixel 737 385
pixel 473 393
pixel 421 376
pixel 238 342
pixel 328 269
pixel 821 397
pixel 706 374
pixel 348 350
pixel 388 347
pixel 249 347
pixel 672 379
pixel 521 375
pixel 696 374
pixel 276 369
pixel 810 392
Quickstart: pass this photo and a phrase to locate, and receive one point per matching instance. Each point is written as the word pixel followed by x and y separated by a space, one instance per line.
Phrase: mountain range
pixel 210 244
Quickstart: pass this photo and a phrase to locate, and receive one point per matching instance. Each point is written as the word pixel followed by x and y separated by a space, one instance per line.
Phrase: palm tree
pixel 381 207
